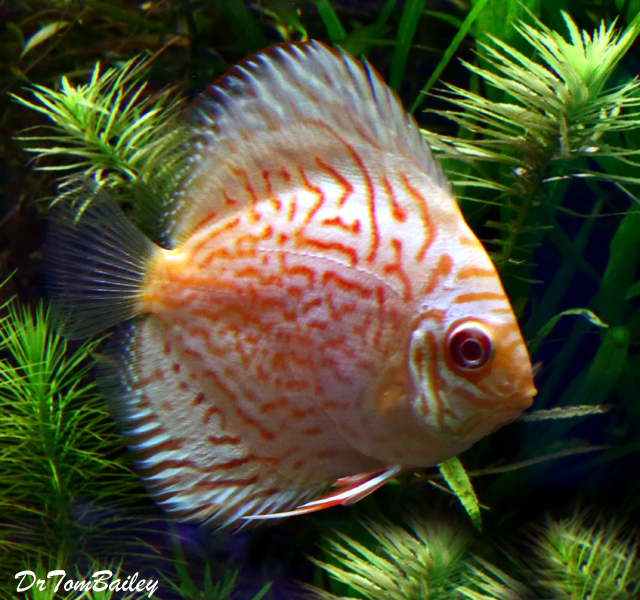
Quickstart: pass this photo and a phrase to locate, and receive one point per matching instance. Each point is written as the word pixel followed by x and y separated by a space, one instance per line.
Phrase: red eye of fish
pixel 470 347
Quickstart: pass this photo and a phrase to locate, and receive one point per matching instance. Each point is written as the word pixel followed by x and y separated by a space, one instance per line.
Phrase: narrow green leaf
pixel 458 480
pixel 566 412
pixel 544 331
pixel 605 369
pixel 413 9
pixel 621 269
pixel 43 34
pixel 449 52
pixel 331 22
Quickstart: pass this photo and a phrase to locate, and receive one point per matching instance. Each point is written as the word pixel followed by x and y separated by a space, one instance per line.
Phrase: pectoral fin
pixel 351 490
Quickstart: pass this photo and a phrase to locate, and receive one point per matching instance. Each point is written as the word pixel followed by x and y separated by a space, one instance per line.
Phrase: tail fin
pixel 95 265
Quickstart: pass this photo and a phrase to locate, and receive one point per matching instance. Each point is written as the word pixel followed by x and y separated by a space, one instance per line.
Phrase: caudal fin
pixel 95 266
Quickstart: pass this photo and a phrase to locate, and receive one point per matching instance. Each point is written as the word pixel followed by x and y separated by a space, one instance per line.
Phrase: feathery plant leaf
pixel 421 562
pixel 110 130
pixel 55 440
pixel 585 557
pixel 556 114
pixel 569 559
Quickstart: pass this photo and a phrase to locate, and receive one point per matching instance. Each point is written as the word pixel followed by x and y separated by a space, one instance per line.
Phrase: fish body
pixel 324 310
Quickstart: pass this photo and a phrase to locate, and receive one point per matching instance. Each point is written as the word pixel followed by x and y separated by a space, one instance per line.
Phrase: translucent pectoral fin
pixel 351 490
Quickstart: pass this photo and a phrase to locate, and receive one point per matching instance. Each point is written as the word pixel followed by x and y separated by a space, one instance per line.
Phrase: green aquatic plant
pixel 110 130
pixel 58 446
pixel 422 561
pixel 549 115
pixel 574 558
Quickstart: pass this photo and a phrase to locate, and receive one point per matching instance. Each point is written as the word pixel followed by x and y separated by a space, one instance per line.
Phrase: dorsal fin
pixel 291 100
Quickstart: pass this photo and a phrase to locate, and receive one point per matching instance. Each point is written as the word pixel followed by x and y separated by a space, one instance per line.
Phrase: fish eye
pixel 470 347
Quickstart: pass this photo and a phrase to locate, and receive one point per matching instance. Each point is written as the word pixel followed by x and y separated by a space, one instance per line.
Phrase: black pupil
pixel 471 350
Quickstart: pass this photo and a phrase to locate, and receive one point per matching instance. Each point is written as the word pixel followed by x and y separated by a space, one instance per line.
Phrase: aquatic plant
pixel 58 451
pixel 573 558
pixel 111 132
pixel 424 561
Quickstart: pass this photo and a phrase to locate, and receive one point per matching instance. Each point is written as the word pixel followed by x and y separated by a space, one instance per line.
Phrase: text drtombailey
pixel 97 583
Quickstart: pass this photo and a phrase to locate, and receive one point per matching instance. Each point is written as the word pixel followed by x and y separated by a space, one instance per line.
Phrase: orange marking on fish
pixel 469 272
pixel 437 275
pixel 223 440
pixel 265 434
pixel 295 292
pixel 345 284
pixel 424 213
pixel 213 410
pixel 166 465
pixel 347 188
pixel 380 300
pixel 254 215
pixel 252 239
pixel 397 212
pixel 208 218
pixel 277 205
pixel 307 306
pixel 319 325
pixel 348 251
pixel 285 175
pixel 477 297
pixel 340 224
pixel 435 382
pixel 184 386
pixel 198 399
pixel 336 313
pixel 292 210
pixel 302 270
pixel 269 406
pixel 375 234
pixel 312 430
pixel 262 374
pixel 210 374
pixel 234 463
pixel 278 362
pixel 157 375
pixel 211 235
pixel 282 239
pixel 396 269
pixel 314 189
pixel 169 445
pixel 332 365
pixel 466 240
pixel 301 413
pixel 227 199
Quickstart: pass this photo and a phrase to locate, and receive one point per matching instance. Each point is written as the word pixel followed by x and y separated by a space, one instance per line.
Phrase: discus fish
pixel 324 315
